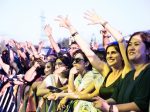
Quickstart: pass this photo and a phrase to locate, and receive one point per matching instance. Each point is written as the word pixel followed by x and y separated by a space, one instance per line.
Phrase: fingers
pixel 51 97
pixel 47 26
pixel 89 14
pixel 60 107
pixel 59 18
pixel 96 98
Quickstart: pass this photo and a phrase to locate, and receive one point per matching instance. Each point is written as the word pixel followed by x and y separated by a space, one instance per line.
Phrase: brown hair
pixel 145 37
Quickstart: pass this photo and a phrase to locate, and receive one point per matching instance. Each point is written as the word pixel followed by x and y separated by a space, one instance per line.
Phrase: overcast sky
pixel 20 19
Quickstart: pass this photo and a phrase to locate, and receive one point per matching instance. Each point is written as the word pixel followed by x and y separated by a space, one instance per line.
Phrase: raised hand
pixel 36 64
pixel 93 18
pixel 48 30
pixel 41 43
pixel 29 44
pixel 63 21
pixel 11 42
pixel 60 70
pixel 74 70
pixel 18 45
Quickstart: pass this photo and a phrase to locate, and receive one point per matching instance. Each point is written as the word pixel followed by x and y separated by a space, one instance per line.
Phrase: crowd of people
pixel 81 79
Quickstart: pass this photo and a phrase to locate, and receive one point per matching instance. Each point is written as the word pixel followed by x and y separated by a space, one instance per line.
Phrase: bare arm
pixel 11 56
pixel 40 46
pixel 31 73
pixel 35 53
pixel 128 107
pixel 105 38
pixel 95 19
pixel 27 48
pixel 48 31
pixel 4 66
pixel 98 64
pixel 72 73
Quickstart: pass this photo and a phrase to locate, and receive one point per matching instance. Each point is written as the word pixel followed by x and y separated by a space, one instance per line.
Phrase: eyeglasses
pixel 77 60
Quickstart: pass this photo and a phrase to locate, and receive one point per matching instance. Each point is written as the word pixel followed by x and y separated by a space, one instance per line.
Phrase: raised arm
pixel 98 64
pixel 20 50
pixel 95 19
pixel 27 47
pixel 31 73
pixel 41 43
pixel 48 31
pixel 35 52
pixel 4 66
pixel 105 37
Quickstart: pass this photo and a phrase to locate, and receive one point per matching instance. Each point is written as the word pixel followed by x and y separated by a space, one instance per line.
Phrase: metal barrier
pixel 7 101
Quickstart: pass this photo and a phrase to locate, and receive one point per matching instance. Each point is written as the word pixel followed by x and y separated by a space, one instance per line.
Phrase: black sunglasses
pixel 77 60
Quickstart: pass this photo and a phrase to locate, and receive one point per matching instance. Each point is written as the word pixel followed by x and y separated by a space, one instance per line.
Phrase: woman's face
pixel 113 57
pixel 79 62
pixel 136 49
pixel 48 68
pixel 59 64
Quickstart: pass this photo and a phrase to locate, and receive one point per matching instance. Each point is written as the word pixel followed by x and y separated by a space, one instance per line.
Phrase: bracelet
pixel 74 34
pixel 111 108
pixel 104 24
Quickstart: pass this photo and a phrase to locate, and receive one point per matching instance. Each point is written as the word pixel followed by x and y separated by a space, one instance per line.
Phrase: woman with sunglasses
pixel 83 84
pixel 113 70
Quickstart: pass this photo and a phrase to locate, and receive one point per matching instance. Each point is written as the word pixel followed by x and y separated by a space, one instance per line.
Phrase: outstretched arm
pixel 83 95
pixel 48 31
pixel 4 66
pixel 31 73
pixel 105 37
pixel 95 19
pixel 41 43
pixel 98 64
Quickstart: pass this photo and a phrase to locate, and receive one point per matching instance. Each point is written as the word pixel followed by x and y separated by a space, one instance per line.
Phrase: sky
pixel 21 19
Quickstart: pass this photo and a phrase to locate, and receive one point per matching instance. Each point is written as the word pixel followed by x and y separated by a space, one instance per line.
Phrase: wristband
pixel 74 34
pixel 111 108
pixel 104 24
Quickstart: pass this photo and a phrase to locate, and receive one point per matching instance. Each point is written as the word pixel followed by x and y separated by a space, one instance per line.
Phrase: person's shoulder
pixel 49 77
pixel 147 69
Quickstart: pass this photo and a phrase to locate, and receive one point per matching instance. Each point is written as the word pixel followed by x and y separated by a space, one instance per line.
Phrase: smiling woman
pixel 115 61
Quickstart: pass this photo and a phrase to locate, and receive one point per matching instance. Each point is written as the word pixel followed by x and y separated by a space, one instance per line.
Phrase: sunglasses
pixel 77 60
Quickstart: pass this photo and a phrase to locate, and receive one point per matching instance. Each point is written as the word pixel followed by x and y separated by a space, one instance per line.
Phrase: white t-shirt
pixel 50 80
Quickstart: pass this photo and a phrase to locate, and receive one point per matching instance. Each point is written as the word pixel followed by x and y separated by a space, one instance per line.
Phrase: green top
pixel 138 90
pixel 91 76
pixel 106 92
pixel 88 78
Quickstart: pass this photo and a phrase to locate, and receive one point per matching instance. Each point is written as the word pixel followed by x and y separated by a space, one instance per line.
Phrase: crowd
pixel 81 79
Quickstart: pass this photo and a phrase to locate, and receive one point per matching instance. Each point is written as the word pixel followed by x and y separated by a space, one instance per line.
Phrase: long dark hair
pixel 116 46
pixel 89 67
